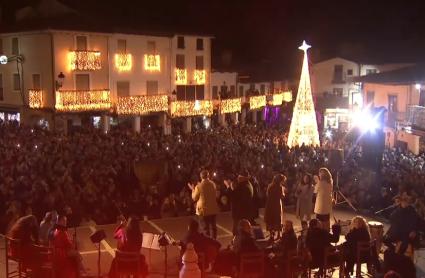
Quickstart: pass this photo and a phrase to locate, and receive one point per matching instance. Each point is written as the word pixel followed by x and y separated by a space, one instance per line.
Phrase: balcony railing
pixel 230 105
pixel 35 98
pixel 192 108
pixel 332 101
pixel 392 118
pixel 256 102
pixel 84 60
pixel 139 105
pixel 75 101
pixel 416 117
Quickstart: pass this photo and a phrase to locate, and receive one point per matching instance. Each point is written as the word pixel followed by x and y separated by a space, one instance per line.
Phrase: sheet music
pixel 151 241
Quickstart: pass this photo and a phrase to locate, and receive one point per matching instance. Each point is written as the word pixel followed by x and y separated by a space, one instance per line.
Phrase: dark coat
pixel 244 242
pixel 403 221
pixel 241 198
pixel 318 240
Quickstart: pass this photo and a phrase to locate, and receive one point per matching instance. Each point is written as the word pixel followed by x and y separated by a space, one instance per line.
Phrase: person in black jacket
pixel 241 197
pixel 243 241
pixel 318 240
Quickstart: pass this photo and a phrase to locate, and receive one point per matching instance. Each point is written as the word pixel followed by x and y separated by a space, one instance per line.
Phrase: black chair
pixel 13 253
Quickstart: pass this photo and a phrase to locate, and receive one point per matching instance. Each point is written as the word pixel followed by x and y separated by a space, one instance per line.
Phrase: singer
pixel 323 205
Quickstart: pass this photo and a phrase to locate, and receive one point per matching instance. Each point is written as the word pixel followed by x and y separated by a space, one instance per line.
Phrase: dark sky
pixel 264 35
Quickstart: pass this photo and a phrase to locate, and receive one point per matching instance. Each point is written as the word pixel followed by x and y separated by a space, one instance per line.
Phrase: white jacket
pixel 324 198
pixel 205 196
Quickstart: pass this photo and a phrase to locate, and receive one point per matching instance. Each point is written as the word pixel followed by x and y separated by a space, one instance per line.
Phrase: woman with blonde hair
pixel 323 205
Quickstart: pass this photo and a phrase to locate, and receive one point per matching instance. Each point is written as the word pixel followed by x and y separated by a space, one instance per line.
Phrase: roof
pixel 403 76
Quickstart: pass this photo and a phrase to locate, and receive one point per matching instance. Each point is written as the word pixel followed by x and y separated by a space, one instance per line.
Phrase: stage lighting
pixel 365 121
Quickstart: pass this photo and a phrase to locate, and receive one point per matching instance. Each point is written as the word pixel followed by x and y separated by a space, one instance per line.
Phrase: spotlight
pixel 366 121
pixel 418 86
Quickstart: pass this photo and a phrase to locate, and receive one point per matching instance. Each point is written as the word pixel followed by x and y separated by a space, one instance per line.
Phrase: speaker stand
pixel 340 197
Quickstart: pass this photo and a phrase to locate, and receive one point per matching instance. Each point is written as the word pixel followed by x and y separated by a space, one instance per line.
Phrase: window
pixel 190 92
pixel 81 42
pixel 350 72
pixel 199 62
pixel 252 87
pixel 232 91
pixel 180 61
pixel 338 73
pixel 338 92
pixel 215 92
pixel 16 82
pixel 241 91
pixel 180 42
pixel 36 81
pixel 151 88
pixel 392 103
pixel 370 97
pixel 123 88
pixel 1 88
pixel 263 88
pixel 181 92
pixel 15 46
pixel 200 92
pixel 199 44
pixel 151 47
pixel 371 71
pixel 82 82
pixel 122 46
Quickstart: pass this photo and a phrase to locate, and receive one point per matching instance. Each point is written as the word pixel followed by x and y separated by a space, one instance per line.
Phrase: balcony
pixel 84 60
pixel 416 117
pixel 230 105
pixel 152 62
pixel 332 101
pixel 256 102
pixel 181 76
pixel 141 105
pixel 192 108
pixel 123 62
pixel 77 101
pixel 35 99
pixel 393 118
pixel 200 77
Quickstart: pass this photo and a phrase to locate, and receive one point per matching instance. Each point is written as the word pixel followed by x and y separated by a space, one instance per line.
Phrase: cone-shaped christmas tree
pixel 303 128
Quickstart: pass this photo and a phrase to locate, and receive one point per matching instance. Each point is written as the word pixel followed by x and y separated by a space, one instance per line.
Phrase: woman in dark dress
pixel 274 205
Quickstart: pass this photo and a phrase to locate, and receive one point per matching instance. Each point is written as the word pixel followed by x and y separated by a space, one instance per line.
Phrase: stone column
pixel 106 123
pixel 243 115
pixel 187 125
pixel 254 116
pixel 222 119
pixel 235 118
pixel 165 123
pixel 136 124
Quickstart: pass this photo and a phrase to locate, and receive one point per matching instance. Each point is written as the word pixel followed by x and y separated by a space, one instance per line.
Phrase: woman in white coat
pixel 324 190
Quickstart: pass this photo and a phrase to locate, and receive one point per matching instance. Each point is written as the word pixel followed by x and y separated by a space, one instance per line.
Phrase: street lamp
pixel 59 82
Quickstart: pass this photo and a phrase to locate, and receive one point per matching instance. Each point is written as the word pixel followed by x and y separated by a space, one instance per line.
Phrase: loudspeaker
pixel 98 236
pixel 335 159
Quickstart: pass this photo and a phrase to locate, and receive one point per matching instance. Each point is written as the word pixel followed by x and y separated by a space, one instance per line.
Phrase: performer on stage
pixel 323 206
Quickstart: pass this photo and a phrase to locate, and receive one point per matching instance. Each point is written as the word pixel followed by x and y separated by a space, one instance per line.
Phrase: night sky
pixel 263 36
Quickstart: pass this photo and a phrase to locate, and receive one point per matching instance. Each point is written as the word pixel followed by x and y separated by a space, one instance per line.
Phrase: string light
pixel 181 76
pixel 199 76
pixel 303 128
pixel 72 101
pixel 287 96
pixel 256 102
pixel 277 99
pixel 123 62
pixel 191 108
pixel 84 60
pixel 35 98
pixel 152 62
pixel 230 105
pixel 139 105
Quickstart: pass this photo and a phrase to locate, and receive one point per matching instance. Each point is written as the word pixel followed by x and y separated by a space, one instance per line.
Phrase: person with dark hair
pixel 274 205
pixel 129 239
pixel 392 274
pixel 205 195
pixel 241 197
pixel 304 194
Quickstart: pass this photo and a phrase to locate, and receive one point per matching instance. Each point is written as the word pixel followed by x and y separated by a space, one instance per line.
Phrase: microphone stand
pixel 387 208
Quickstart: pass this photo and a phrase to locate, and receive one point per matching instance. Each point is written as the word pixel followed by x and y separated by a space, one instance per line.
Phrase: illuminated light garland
pixel 192 108
pixel 139 105
pixel 73 101
pixel 277 99
pixel 200 77
pixel 123 62
pixel 84 60
pixel 35 98
pixel 230 105
pixel 303 130
pixel 181 76
pixel 257 102
pixel 287 96
pixel 152 62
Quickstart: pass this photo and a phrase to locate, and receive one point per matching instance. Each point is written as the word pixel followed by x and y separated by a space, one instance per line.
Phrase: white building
pixel 224 83
pixel 63 73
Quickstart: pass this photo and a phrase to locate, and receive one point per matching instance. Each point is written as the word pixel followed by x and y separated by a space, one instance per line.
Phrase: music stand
pixel 96 237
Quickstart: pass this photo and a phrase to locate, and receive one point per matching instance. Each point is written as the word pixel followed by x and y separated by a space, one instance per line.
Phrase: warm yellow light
pixel 139 105
pixel 230 105
pixel 73 101
pixel 199 76
pixel 303 128
pixel 277 99
pixel 84 60
pixel 35 98
pixel 191 108
pixel 287 96
pixel 152 62
pixel 123 62
pixel 181 76
pixel 256 102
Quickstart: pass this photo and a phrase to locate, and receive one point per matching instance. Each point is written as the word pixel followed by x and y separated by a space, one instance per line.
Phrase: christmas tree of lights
pixel 303 128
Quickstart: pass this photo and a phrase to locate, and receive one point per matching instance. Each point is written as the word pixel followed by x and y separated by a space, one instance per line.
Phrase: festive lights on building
pixel 277 99
pixel 35 98
pixel 287 96
pixel 303 128
pixel 139 105
pixel 256 102
pixel 230 105
pixel 181 76
pixel 199 76
pixel 84 60
pixel 152 62
pixel 75 101
pixel 191 108
pixel 123 62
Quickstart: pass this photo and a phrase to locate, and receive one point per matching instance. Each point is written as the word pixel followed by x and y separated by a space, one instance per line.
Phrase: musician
pixel 243 241
pixel 323 205
pixel 129 239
